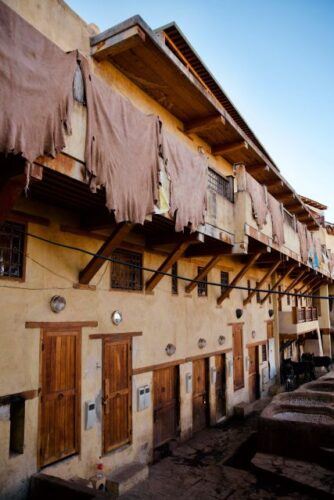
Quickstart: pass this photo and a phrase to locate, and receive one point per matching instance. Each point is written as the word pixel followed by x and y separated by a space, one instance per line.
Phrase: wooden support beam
pixel 168 263
pixel 267 275
pixel 204 272
pixel 202 124
pixel 295 282
pixel 279 281
pixel 257 169
pixel 314 286
pixel 226 293
pixel 18 216
pixel 275 184
pixel 10 190
pixel 172 238
pixel 308 282
pixel 285 197
pixel 118 43
pixel 114 240
pixel 221 149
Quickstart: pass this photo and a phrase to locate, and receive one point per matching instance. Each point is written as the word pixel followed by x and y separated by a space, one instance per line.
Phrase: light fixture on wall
pixel 170 349
pixel 221 340
pixel 201 343
pixel 57 303
pixel 238 313
pixel 116 317
pixel 271 313
pixel 253 334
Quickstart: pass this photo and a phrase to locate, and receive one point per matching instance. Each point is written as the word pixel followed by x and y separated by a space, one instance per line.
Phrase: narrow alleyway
pixel 215 463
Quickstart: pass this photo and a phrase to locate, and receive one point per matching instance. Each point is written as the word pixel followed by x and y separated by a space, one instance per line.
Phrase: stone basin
pixel 300 424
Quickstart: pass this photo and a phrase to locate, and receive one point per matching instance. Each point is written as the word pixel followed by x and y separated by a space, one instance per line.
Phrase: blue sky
pixel 275 60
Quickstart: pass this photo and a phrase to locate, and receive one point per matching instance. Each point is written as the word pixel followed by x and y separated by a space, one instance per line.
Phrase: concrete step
pixel 308 476
pixel 125 478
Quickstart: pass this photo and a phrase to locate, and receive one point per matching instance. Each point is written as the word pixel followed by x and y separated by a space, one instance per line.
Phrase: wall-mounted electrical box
pixel 143 397
pixel 213 375
pixel 189 383
pixel 90 412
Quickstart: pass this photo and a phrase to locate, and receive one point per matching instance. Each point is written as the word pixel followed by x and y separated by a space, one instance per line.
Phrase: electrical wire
pixel 164 273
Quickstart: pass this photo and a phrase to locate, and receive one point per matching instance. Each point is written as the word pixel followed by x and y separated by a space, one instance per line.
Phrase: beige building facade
pixel 180 359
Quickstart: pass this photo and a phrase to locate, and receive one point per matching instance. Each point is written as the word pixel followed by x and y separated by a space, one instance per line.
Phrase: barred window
pixel 221 185
pixel 174 279
pixel 202 288
pixel 125 277
pixel 12 240
pixel 223 280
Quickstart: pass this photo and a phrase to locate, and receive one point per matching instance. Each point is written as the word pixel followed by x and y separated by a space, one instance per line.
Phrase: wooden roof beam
pixel 221 149
pixel 313 287
pixel 203 124
pixel 114 240
pixel 285 197
pixel 203 273
pixel 275 184
pixel 226 293
pixel 167 264
pixel 307 282
pixel 267 275
pixel 257 169
pixel 279 281
pixel 294 283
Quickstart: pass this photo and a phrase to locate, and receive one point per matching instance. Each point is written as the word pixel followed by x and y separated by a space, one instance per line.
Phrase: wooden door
pixel 117 392
pixel 166 404
pixel 59 432
pixel 200 394
pixel 238 359
pixel 270 329
pixel 253 373
pixel 220 386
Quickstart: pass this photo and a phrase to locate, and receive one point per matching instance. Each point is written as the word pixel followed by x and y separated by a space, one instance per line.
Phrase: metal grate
pixel 224 280
pixel 125 277
pixel 11 249
pixel 202 288
pixel 220 185
pixel 174 279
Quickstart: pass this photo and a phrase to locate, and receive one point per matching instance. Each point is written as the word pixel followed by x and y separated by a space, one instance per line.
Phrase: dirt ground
pixel 214 464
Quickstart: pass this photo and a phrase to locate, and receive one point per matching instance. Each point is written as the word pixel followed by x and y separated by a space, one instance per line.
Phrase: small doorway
pixel 59 427
pixel 220 386
pixel 117 368
pixel 253 373
pixel 201 406
pixel 166 405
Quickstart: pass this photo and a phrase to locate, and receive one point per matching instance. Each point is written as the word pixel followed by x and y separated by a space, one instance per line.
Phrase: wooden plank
pixel 60 325
pixel 168 263
pixel 275 286
pixel 126 40
pixel 114 336
pixel 221 149
pixel 152 368
pixel 9 398
pixel 307 283
pixel 263 280
pixel 208 354
pixel 18 216
pixel 114 240
pixel 203 273
pixel 204 124
pixel 238 277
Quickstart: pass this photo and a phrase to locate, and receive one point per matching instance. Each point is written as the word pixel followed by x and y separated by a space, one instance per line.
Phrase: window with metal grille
pixel 174 279
pixel 126 277
pixel 12 240
pixel 264 352
pixel 223 280
pixel 221 185
pixel 202 288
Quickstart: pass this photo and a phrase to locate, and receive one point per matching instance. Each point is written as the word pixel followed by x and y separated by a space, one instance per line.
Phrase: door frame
pixel 59 329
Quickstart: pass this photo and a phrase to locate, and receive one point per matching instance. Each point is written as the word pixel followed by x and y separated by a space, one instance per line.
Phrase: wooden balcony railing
pixel 304 314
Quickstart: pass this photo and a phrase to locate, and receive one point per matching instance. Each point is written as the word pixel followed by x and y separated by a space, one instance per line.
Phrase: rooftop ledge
pixel 143 57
